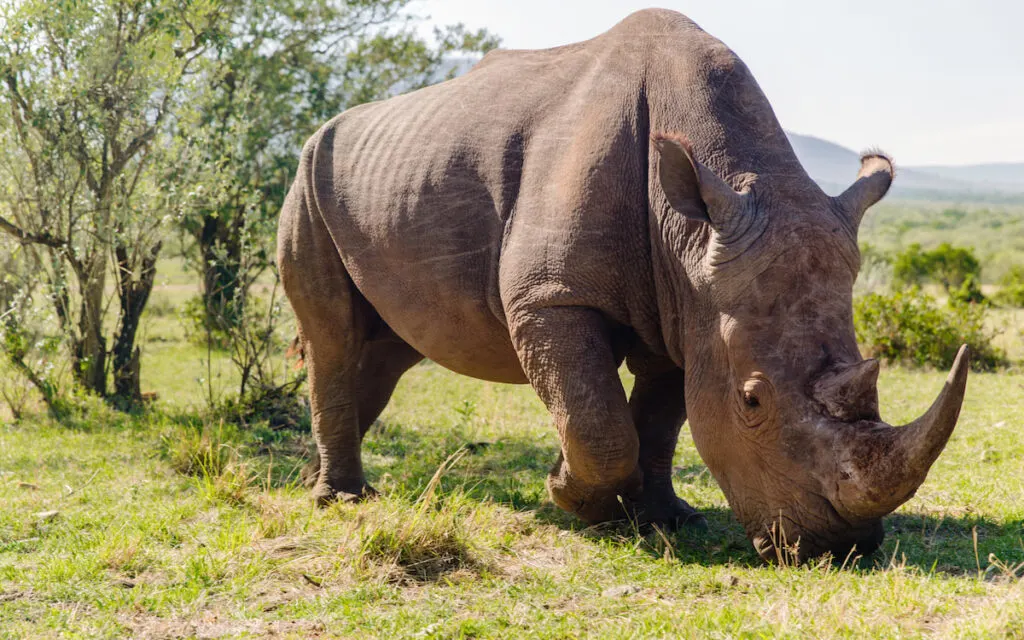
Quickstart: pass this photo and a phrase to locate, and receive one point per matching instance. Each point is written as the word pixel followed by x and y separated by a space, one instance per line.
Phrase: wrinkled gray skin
pixel 553 213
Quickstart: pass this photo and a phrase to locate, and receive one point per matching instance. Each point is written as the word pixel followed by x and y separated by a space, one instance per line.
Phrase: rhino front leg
pixel 567 356
pixel 658 406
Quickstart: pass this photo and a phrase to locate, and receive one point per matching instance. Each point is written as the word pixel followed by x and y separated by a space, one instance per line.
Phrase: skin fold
pixel 554 213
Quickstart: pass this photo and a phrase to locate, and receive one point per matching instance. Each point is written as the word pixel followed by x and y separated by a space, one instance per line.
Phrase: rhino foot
pixel 325 493
pixel 644 503
pixel 589 503
pixel 671 513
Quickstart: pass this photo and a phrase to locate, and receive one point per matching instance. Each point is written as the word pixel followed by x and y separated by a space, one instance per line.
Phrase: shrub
pixel 968 292
pixel 910 327
pixel 910 267
pixel 1011 289
pixel 950 266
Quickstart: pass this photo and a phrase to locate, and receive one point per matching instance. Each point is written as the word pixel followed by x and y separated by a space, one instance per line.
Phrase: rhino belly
pixel 432 278
pixel 442 317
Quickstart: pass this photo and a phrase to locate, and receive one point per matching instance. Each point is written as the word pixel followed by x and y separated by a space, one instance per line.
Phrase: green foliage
pixel 270 406
pixel 969 292
pixel 1011 288
pixel 89 90
pixel 30 356
pixel 947 265
pixel 910 327
pixel 953 266
pixel 994 232
pixel 911 267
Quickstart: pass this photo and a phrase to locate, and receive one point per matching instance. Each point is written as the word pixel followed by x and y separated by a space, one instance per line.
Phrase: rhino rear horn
pixel 696 191
pixel 851 392
pixel 873 182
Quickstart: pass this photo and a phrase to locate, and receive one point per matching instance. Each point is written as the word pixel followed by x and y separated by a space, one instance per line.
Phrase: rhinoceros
pixel 553 213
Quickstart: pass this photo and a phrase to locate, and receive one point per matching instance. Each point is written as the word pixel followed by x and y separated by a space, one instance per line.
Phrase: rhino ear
pixel 873 181
pixel 691 188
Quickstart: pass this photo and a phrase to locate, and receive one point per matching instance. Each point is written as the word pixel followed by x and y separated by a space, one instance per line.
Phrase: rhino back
pixel 424 193
pixel 525 183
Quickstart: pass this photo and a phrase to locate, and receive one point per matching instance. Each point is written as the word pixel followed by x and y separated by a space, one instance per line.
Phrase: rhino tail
pixel 296 350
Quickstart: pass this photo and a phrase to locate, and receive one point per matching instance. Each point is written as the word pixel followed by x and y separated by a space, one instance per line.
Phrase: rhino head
pixel 782 407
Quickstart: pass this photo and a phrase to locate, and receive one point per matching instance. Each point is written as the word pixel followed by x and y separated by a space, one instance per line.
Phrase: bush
pixel 911 328
pixel 968 292
pixel 279 406
pixel 1011 289
pixel 950 266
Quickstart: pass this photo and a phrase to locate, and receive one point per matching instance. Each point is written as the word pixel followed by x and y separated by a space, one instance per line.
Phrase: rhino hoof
pixel 679 515
pixel 694 520
pixel 324 495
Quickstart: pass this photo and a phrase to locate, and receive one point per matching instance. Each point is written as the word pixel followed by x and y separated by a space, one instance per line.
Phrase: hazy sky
pixel 931 82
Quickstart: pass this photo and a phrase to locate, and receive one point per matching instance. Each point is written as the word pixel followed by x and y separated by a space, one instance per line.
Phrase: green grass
pixel 169 524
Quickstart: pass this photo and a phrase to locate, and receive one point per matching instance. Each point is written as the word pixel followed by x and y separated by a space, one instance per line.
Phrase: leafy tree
pixel 88 89
pixel 952 267
pixel 278 71
pixel 26 348
pixel 911 267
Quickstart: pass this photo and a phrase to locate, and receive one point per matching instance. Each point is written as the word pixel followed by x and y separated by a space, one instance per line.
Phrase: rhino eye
pixel 756 400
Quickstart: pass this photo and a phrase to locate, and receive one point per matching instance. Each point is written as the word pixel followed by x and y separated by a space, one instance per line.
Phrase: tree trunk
pixel 89 347
pixel 220 251
pixel 133 294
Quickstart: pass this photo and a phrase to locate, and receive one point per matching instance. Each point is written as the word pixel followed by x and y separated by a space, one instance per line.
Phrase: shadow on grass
pixel 512 471
pixel 947 545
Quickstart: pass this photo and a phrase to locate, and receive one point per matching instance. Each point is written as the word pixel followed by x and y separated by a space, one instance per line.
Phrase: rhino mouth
pixel 815 531
pixel 777 547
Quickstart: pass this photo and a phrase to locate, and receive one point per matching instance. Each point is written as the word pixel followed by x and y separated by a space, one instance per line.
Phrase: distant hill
pixel 834 167
pixel 1005 176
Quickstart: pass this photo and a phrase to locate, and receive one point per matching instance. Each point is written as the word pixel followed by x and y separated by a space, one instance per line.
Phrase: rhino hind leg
pixel 332 335
pixel 335 325
pixel 567 355
pixel 354 362
pixel 384 359
pixel 658 407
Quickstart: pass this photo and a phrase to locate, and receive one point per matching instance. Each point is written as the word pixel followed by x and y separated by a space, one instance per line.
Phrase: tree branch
pixel 24 237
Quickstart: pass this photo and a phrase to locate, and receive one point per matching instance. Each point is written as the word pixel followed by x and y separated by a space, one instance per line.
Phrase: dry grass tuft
pixel 431 543
pixel 193 453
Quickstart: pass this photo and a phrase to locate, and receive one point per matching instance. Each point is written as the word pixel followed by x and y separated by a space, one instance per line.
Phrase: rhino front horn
pixel 881 466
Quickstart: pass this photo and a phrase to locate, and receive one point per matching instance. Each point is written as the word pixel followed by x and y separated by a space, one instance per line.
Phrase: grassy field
pixel 165 524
